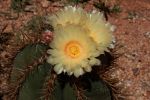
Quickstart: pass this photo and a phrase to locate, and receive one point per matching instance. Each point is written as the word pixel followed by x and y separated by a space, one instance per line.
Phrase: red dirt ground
pixel 132 33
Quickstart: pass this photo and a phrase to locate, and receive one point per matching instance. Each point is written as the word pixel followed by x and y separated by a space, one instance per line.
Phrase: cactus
pixel 64 87
pixel 33 77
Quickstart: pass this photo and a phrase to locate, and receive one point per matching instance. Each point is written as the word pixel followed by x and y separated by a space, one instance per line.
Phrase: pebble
pixel 45 3
pixel 30 8
pixel 147 34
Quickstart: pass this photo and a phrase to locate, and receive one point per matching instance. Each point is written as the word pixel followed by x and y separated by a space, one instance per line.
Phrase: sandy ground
pixel 132 33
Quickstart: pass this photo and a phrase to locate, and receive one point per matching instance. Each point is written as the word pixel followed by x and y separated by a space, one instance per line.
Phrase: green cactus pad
pixel 32 87
pixel 66 93
pixel 98 91
pixel 28 55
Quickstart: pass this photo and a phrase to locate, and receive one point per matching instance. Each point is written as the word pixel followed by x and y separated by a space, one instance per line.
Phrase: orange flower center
pixel 73 49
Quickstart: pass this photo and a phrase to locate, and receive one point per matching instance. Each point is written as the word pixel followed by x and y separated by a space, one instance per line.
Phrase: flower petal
pixel 78 72
pixel 58 68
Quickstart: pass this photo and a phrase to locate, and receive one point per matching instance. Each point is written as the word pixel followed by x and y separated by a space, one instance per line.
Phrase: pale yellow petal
pixel 58 68
pixel 88 69
pixel 78 72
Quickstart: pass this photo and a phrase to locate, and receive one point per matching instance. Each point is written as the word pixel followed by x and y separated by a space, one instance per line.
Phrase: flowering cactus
pixel 74 46
pixel 79 38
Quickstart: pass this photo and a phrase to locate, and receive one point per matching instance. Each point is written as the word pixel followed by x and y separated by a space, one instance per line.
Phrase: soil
pixel 132 34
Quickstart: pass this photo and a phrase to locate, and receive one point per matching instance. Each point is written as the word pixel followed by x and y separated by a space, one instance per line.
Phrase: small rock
pixel 30 8
pixel 45 3
pixel 135 71
pixel 129 56
pixel 147 34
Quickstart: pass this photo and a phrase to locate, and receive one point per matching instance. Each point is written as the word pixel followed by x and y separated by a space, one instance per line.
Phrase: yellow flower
pixel 72 51
pixel 79 38
pixel 100 30
pixel 97 28
pixel 70 15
